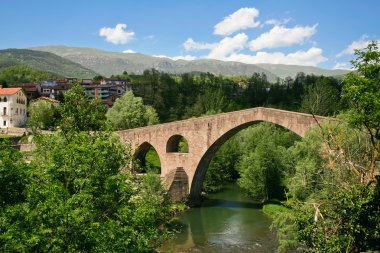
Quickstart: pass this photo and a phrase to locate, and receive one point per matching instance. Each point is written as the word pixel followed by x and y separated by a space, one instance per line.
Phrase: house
pixel 109 89
pixel 54 89
pixel 30 89
pixel 13 107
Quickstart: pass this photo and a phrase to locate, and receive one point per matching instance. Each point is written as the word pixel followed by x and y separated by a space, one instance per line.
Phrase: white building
pixel 12 107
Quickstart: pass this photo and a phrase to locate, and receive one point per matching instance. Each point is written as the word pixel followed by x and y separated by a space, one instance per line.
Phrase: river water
pixel 227 221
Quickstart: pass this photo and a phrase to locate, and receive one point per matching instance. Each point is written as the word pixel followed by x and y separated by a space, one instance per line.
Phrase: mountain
pixel 282 70
pixel 44 61
pixel 110 63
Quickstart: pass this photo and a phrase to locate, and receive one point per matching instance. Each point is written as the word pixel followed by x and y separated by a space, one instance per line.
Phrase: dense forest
pixel 178 97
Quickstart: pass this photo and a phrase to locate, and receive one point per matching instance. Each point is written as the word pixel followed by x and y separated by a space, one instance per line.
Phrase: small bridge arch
pixel 204 136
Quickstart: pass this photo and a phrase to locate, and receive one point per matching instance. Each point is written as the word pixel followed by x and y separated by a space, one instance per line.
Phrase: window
pixel 4 111
pixel 5 99
pixel 4 123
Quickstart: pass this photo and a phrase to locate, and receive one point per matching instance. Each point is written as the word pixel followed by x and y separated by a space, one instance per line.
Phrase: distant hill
pixel 110 63
pixel 14 75
pixel 282 70
pixel 44 61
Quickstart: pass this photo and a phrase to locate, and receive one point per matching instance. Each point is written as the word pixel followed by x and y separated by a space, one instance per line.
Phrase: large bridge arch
pixel 204 162
pixel 204 136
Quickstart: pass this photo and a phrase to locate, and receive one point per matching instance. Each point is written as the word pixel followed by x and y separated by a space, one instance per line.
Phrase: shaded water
pixel 227 221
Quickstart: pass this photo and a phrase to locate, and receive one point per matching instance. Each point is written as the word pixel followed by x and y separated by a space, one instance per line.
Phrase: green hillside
pixel 44 61
pixel 282 70
pixel 14 75
pixel 112 63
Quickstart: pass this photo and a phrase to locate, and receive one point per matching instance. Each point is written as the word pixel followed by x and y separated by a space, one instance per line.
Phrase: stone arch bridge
pixel 183 173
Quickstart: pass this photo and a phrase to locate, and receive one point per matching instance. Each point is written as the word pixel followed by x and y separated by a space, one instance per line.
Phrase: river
pixel 227 221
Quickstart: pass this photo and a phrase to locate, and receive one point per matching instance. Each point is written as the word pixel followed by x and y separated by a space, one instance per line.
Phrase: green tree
pixel 362 89
pixel 321 98
pixel 13 175
pixel 42 114
pixel 222 168
pixel 80 112
pixel 264 162
pixel 332 210
pixel 129 112
pixel 79 197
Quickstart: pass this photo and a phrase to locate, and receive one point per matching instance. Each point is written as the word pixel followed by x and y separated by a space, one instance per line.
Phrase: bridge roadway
pixel 183 173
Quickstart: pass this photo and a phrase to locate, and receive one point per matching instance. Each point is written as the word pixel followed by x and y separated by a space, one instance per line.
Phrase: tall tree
pixel 42 114
pixel 362 89
pixel 129 111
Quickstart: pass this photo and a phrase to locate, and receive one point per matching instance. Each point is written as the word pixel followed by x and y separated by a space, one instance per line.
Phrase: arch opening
pixel 177 144
pixel 146 159
pixel 197 183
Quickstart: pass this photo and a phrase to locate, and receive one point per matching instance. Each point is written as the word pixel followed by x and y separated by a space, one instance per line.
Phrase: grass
pixel 274 207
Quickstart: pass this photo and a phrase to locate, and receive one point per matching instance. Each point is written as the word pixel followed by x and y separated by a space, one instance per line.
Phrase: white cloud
pixel 129 51
pixel 280 36
pixel 179 57
pixel 190 44
pixel 311 57
pixel 239 20
pixel 342 65
pixel 228 46
pixel 276 22
pixel 359 44
pixel 117 35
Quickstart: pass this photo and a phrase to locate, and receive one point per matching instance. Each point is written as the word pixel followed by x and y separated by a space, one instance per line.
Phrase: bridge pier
pixel 178 184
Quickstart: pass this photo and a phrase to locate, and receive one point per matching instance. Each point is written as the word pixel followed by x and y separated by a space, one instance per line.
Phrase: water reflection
pixel 227 222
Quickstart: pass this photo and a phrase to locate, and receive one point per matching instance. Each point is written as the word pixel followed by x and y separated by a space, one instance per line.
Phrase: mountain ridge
pixel 110 63
pixel 44 61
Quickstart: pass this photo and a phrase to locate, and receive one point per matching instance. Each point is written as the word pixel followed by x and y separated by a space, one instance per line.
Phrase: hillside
pixel 24 74
pixel 108 63
pixel 282 70
pixel 44 61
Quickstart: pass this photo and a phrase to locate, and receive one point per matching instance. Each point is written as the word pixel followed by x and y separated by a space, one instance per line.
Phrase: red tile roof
pixel 9 91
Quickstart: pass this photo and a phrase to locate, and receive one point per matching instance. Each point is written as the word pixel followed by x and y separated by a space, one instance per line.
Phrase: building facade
pixel 13 104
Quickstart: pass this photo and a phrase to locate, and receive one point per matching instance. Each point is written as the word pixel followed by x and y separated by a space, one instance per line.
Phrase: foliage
pixel 362 89
pixel 24 74
pixel 332 210
pixel 12 174
pixel 130 112
pixel 348 221
pixel 42 114
pixel 282 217
pixel 264 164
pixel 191 95
pixel 222 168
pixel 152 162
pixel 321 97
pixel 80 112
pixel 76 198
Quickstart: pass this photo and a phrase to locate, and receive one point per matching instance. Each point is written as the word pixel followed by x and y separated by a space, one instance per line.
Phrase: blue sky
pixel 318 33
